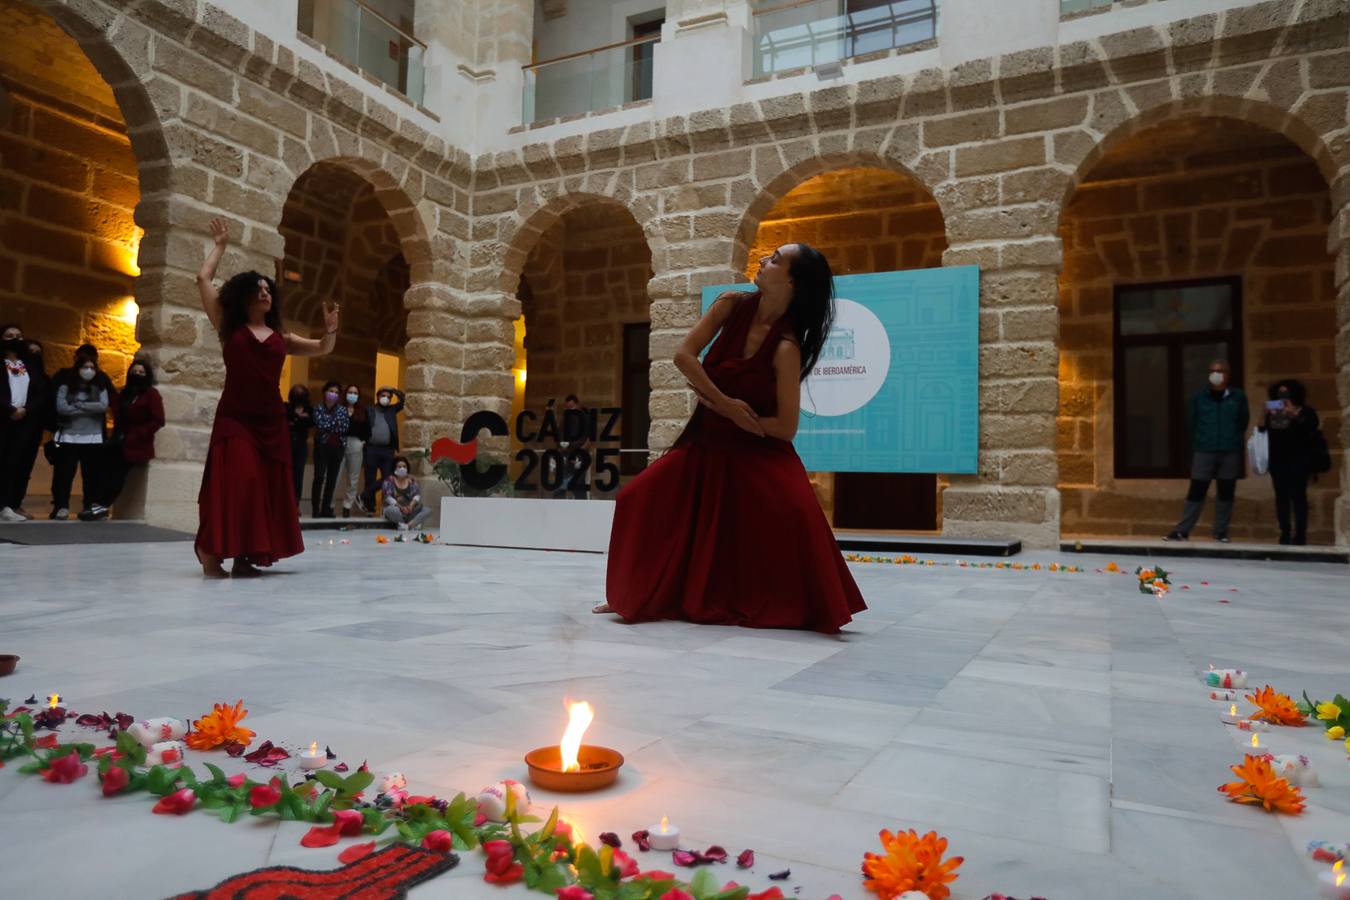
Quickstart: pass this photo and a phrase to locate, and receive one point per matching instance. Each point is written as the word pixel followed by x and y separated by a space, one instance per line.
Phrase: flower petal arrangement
pixel 1276 708
pixel 910 863
pixel 1258 784
pixel 219 727
pixel 1333 714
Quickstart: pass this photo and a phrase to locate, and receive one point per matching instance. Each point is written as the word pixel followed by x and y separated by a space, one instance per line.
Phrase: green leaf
pixel 589 872
pixel 739 893
pixel 217 776
pixel 229 813
pixel 330 779
pixel 358 782
pixel 704 885
pixel 552 876
pixel 320 808
pixel 32 768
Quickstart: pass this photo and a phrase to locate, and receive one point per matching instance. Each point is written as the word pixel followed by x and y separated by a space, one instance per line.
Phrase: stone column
pixel 1014 494
pixel 1339 241
pixel 435 360
pixel 184 349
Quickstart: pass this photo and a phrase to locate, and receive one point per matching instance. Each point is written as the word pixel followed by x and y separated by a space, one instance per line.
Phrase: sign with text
pixel 896 388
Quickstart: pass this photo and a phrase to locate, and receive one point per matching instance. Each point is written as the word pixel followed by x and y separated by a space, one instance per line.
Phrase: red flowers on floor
pixel 176 804
pixel 345 822
pixel 65 769
pixel 115 780
pixel 263 796
pixel 500 863
pixel 439 840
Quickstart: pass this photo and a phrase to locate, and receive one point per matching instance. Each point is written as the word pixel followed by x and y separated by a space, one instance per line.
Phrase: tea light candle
pixel 1333 884
pixel 1232 717
pixel 664 836
pixel 313 758
pixel 1223 695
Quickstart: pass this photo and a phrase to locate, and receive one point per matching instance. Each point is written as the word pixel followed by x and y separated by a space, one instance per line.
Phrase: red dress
pixel 724 529
pixel 247 503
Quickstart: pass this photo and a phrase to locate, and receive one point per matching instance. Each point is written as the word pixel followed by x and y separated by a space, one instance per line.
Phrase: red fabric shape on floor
pixel 725 528
pixel 247 505
pixel 386 875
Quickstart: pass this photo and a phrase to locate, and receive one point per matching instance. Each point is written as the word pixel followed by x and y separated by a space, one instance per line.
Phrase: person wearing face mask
pixel 137 415
pixel 300 418
pixel 403 498
pixel 1294 432
pixel 332 422
pixel 382 443
pixel 23 398
pixel 1217 419
pixel 83 395
pixel 246 507
pixel 354 450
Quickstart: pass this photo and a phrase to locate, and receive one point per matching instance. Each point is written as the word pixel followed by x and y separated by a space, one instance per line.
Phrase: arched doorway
pixel 585 322
pixel 68 190
pixel 342 245
pixel 864 219
pixel 1196 238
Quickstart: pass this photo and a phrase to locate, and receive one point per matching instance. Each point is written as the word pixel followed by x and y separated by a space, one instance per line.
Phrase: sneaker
pixel 9 515
pixel 23 512
pixel 1175 536
pixel 402 526
pixel 95 513
pixel 1222 538
pixel 59 515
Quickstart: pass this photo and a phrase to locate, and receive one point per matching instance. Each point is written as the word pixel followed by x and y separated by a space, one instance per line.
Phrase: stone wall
pixel 1197 199
pixel 68 188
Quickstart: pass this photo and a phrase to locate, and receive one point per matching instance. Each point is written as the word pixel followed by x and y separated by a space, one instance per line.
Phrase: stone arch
pixel 798 174
pixel 1200 190
pixel 1083 154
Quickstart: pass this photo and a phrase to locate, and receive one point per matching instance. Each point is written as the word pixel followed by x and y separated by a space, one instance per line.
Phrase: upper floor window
pixel 806 33
pixel 375 36
pixel 579 81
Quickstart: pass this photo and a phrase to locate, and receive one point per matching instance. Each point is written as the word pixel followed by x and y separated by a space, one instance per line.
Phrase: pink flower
pixel 562 829
pixel 263 795
pixel 500 863
pixel 115 780
pixel 439 840
pixel 65 769
pixel 235 781
pixel 574 892
pixel 176 804
pixel 625 864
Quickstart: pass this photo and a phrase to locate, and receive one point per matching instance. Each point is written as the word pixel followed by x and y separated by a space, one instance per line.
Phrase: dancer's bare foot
pixel 242 568
pixel 601 609
pixel 211 566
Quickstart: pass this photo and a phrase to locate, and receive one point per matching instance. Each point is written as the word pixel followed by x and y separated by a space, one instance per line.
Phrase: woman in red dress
pixel 247 509
pixel 725 528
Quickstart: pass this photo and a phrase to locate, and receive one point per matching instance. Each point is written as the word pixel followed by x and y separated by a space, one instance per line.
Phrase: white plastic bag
pixel 1258 451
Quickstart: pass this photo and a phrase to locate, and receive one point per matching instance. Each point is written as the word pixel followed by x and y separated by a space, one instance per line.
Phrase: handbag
pixel 1258 451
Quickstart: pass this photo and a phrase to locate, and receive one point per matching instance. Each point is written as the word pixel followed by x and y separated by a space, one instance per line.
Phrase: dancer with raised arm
pixel 725 528
pixel 247 509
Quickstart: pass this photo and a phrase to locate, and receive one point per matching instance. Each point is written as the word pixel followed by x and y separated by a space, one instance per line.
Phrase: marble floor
pixel 1053 726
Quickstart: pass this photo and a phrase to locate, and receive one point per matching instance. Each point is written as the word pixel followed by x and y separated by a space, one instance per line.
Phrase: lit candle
pixel 1256 740
pixel 1232 717
pixel 313 758
pixel 664 836
pixel 1333 884
pixel 53 701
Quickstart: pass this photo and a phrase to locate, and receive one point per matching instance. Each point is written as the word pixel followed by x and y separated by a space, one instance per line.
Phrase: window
pixel 793 34
pixel 375 36
pixel 644 59
pixel 637 391
pixel 1165 337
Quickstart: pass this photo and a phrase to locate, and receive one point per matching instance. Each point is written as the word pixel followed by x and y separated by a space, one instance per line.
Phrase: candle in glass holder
pixel 664 836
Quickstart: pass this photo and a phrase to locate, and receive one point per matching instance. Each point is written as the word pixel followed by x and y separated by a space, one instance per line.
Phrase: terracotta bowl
pixel 7 663
pixel 599 767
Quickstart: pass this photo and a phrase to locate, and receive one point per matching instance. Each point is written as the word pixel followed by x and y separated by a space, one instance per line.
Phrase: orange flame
pixel 314 748
pixel 1256 740
pixel 579 718
pixel 1232 710
pixel 665 825
pixel 53 701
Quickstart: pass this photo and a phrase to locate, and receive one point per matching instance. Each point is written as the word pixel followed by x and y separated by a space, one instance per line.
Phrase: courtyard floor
pixel 1053 726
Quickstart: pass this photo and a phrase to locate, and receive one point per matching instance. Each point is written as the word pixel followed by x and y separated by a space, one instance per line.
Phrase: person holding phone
pixel 1291 426
pixel 1217 418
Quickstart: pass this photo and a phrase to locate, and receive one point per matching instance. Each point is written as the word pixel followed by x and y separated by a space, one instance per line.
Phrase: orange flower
pixel 1261 785
pixel 219 726
pixel 1146 575
pixel 910 863
pixel 1112 567
pixel 1275 707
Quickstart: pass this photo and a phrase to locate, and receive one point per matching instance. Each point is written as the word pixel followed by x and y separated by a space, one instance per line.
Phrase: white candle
pixel 664 836
pixel 1232 717
pixel 313 758
pixel 1333 884
pixel 1251 725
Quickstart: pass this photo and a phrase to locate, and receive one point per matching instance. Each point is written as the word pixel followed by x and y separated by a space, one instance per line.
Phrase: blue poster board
pixel 896 388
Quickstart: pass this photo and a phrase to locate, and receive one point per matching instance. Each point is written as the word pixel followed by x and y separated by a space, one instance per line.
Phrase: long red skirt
pixel 728 535
pixel 247 505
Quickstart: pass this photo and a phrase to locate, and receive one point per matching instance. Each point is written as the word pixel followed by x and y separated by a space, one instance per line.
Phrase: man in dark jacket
pixel 382 443
pixel 1217 420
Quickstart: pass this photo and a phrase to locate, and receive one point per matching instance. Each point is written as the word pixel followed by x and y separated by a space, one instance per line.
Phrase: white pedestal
pixel 530 524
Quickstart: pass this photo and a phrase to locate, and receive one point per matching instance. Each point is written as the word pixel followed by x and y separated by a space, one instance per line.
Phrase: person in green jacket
pixel 1217 420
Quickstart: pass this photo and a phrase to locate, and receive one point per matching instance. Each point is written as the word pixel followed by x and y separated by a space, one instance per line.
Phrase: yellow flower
pixel 1347 745
pixel 1328 712
pixel 1335 733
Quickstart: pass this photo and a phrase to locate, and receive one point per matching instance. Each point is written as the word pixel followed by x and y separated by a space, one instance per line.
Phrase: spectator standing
pixel 383 442
pixel 138 415
pixel 1294 430
pixel 83 395
pixel 354 449
pixel 24 396
pixel 1217 418
pixel 331 424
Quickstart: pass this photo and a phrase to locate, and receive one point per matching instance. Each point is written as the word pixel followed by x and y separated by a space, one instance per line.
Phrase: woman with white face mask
pixel 354 450
pixel 403 498
pixel 82 398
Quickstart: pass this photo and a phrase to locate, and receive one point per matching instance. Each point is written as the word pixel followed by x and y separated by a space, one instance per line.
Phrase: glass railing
pixel 809 33
pixel 1070 7
pixel 365 38
pixel 588 80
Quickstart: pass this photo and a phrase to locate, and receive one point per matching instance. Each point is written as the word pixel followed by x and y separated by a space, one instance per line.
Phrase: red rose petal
pixel 515 873
pixel 320 836
pixel 611 839
pixel 643 840
pixel 114 780
pixel 439 840
pixel 715 854
pixel 746 860
pixel 355 852
pixel 348 821
pixel 47 741
pixel 176 804
pixel 773 893
pixel 341 767
pixel 263 795
pixel 683 858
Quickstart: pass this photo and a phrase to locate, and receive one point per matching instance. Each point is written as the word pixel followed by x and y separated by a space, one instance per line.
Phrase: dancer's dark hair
pixel 236 295
pixel 812 308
